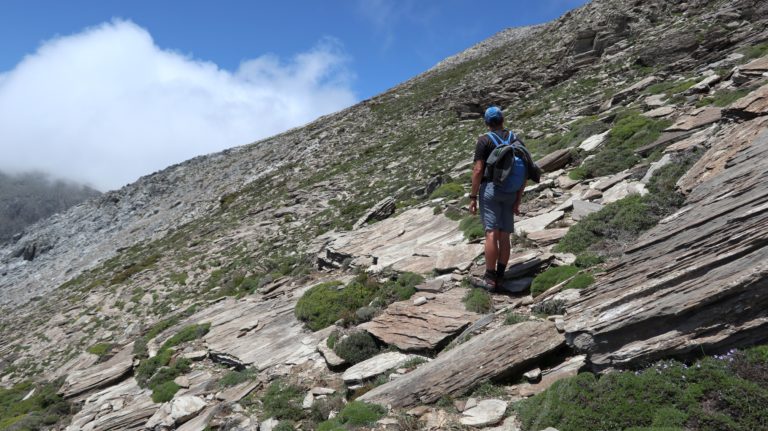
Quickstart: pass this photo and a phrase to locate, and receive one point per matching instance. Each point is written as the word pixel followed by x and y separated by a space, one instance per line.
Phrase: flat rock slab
pixel 538 223
pixel 254 332
pixel 757 67
pixel 422 327
pixel 595 141
pixel 416 241
pixel 698 118
pixel 486 412
pixel 622 190
pixel 548 236
pixel 177 411
pixel 754 103
pixel 606 183
pixel 500 353
pixel 698 281
pixel 555 160
pixel 517 285
pixel 374 366
pixel 124 406
pixel 663 111
pixel 582 209
pixel 524 263
pixel 666 139
pixel 99 375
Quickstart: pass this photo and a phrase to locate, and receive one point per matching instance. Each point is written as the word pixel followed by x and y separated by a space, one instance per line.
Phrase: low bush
pixel 478 301
pixel 620 222
pixel 448 191
pixel 326 303
pixel 670 88
pixel 39 411
pixel 322 408
pixel 358 413
pixel 719 393
pixel 235 377
pixel 472 227
pixel 512 318
pixel 580 281
pixel 164 391
pixel 100 349
pixel 722 98
pixel 283 401
pixel 551 277
pixel 356 347
pixel 588 260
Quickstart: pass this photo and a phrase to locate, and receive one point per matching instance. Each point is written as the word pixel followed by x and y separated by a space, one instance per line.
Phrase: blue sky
pixel 103 92
pixel 386 42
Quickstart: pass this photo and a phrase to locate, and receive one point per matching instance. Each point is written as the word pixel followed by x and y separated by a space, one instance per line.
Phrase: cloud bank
pixel 107 105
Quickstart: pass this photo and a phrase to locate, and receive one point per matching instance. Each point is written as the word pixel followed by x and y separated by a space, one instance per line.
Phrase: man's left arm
pixel 519 198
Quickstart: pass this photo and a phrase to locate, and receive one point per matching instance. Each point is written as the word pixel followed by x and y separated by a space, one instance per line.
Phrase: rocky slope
pixel 646 117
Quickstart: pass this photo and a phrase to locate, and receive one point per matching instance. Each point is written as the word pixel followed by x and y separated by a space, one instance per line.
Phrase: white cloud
pixel 107 105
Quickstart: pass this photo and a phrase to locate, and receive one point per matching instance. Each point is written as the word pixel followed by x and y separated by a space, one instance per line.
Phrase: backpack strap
pixel 498 140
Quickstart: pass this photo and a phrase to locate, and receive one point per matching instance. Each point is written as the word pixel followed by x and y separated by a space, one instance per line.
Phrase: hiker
pixel 502 167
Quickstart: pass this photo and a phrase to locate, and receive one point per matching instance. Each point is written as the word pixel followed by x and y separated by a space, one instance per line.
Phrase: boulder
pixel 594 142
pixel 331 358
pixel 176 411
pixel 755 67
pixel 555 160
pixel 538 223
pixel 582 209
pixel 501 353
pixel 380 211
pixel 622 190
pixel 698 281
pixel 751 105
pixel 374 366
pixel 698 118
pixel 521 264
pixel 655 166
pixel 410 326
pixel 99 375
pixel 547 236
pixel 606 183
pixel 635 88
pixel 487 412
pixel 704 85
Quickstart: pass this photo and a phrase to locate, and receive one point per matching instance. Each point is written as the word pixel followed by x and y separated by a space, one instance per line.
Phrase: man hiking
pixel 502 167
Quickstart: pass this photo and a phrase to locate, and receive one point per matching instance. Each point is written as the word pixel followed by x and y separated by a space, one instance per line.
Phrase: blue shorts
pixel 496 208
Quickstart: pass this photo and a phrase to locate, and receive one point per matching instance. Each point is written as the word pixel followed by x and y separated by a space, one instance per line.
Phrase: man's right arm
pixel 477 177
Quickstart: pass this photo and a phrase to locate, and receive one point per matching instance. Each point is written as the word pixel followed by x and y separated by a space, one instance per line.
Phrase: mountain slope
pixel 224 238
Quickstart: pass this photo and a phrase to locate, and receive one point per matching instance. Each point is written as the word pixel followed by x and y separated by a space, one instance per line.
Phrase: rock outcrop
pixel 699 280
pixel 491 355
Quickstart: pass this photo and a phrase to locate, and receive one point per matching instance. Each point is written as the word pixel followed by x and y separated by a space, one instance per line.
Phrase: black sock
pixel 490 274
pixel 501 268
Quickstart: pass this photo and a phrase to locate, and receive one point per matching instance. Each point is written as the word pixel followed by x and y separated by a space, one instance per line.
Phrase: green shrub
pixel 284 426
pixel 488 390
pixel 323 407
pixel 356 347
pixel 331 425
pixel 283 401
pixel 670 88
pixel 478 301
pixel 513 318
pixel 324 304
pixel 551 277
pixel 472 227
pixel 722 98
pixel 100 349
pixel 628 133
pixel 754 51
pixel 622 221
pixel 588 260
pixel 188 333
pixel 709 395
pixel 580 281
pixel 44 407
pixel 179 278
pixel 448 191
pixel 235 377
pixel 333 338
pixel 164 392
pixel 358 413
pixel 413 363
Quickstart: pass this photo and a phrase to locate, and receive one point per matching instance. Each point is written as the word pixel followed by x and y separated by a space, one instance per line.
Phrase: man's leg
pixel 492 249
pixel 503 254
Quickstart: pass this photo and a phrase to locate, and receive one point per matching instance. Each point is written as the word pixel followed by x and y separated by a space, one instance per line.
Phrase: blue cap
pixel 493 114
